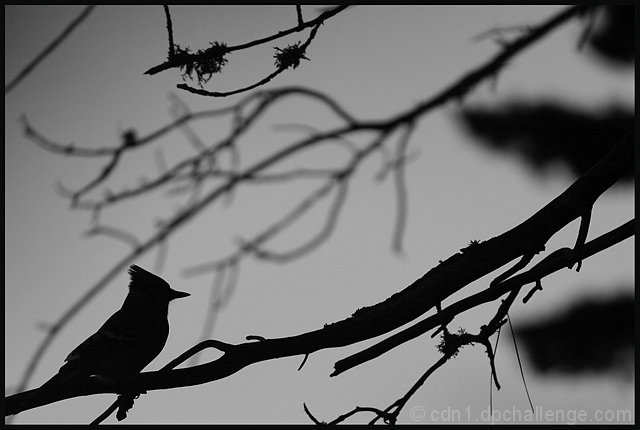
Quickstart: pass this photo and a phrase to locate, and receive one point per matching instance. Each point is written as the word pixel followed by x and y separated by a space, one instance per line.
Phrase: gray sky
pixel 376 61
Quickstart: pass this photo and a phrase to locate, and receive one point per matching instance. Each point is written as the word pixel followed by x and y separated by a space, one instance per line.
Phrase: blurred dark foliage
pixel 591 336
pixel 545 131
pixel 613 37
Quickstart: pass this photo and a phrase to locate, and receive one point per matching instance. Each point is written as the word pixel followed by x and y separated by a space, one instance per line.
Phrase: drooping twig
pixel 401 190
pixel 515 346
pixel 255 247
pixel 281 66
pixel 318 20
pixel 315 241
pixel 116 233
pixel 492 375
pixel 161 256
pixel 225 280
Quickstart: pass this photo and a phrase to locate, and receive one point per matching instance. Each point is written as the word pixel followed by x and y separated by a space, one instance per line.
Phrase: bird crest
pixel 141 278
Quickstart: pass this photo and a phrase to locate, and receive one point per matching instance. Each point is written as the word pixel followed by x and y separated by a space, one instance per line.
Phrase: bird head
pixel 151 285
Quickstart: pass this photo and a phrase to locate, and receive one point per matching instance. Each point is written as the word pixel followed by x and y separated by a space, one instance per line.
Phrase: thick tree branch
pixel 557 260
pixel 439 283
pixel 427 291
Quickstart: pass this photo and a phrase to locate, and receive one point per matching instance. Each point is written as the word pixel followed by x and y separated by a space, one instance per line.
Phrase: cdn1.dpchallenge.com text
pixel 515 415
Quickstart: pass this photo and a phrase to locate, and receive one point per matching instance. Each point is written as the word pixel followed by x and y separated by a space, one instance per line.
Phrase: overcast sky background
pixel 376 61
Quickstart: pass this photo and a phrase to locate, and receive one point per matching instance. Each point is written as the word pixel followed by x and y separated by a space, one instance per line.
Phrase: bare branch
pixel 585 220
pixel 464 85
pixel 318 239
pixel 297 51
pixel 416 299
pixel 107 413
pixel 206 93
pixel 515 346
pixel 498 33
pixel 104 174
pixel 179 108
pixel 161 256
pixel 116 233
pixel 49 49
pixel 299 14
pixel 557 260
pixel 450 345
pixel 401 190
pixel 241 125
pixel 318 20
pixel 215 304
pixel 530 294
pixel 342 333
pixel 169 31
pixel 397 406
pixel 522 263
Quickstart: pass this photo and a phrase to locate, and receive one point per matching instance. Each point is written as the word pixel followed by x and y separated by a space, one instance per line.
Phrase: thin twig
pixel 401 402
pixel 215 303
pixel 263 81
pixel 265 98
pixel 321 237
pixel 161 256
pixel 459 88
pixel 491 378
pixel 299 14
pixel 454 343
pixel 49 49
pixel 169 30
pixel 401 190
pixel 515 346
pixel 115 233
pixel 318 20
pixel 107 413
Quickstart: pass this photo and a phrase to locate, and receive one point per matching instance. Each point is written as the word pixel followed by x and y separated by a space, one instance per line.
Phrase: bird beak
pixel 174 294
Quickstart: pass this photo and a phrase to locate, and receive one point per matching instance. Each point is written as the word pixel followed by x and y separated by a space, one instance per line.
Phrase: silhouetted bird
pixel 128 341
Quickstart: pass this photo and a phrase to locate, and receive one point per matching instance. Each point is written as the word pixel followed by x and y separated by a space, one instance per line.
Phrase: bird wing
pixel 113 338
